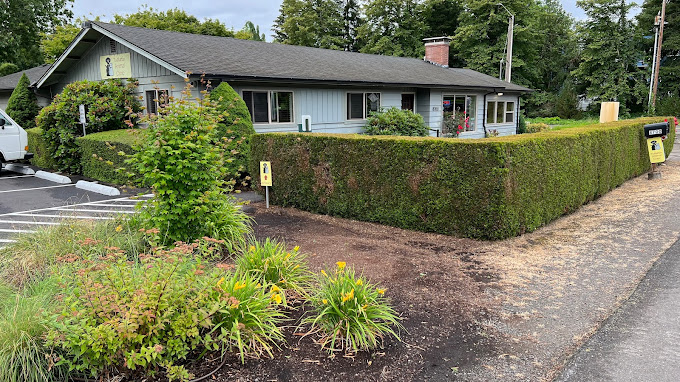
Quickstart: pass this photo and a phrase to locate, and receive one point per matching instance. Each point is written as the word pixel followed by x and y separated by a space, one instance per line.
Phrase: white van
pixel 13 140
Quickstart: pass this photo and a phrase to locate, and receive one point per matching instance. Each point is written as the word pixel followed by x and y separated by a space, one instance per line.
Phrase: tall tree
pixel 608 60
pixel 669 70
pixel 22 22
pixel 53 44
pixel 352 19
pixel 7 68
pixel 173 20
pixel 393 27
pixel 480 40
pixel 315 23
pixel 250 32
pixel 441 19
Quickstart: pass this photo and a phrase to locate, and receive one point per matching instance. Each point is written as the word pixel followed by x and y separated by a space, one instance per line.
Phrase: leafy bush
pixel 110 105
pixel 151 314
pixel 352 313
pixel 394 121
pixel 522 125
pixel 237 126
pixel 537 127
pixel 492 188
pixel 566 102
pixel 181 158
pixel 22 106
pixel 270 263
pixel 30 257
pixel 104 156
pixel 669 105
pixel 23 356
pixel 37 144
pixel 7 68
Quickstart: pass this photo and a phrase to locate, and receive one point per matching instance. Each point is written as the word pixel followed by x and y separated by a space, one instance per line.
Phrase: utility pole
pixel 658 52
pixel 651 75
pixel 511 26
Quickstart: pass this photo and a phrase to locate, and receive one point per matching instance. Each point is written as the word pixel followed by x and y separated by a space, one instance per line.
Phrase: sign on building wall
pixel 115 66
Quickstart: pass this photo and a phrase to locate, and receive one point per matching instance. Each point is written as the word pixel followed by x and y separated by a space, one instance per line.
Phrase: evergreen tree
pixel 608 61
pixel 441 19
pixel 393 27
pixel 315 23
pixel 250 32
pixel 23 104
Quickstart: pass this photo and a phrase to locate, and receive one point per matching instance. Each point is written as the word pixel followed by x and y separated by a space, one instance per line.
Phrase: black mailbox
pixel 656 129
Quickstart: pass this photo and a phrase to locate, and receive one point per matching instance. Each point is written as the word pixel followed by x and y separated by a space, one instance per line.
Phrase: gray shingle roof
pixel 9 82
pixel 229 57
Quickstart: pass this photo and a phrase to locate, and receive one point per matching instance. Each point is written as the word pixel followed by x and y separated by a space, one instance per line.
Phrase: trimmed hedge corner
pixel 37 144
pixel 488 188
pixel 102 154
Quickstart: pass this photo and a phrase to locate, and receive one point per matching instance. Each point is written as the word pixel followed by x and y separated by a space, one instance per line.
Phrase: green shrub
pixel 492 188
pixel 522 125
pixel 7 68
pixel 352 313
pixel 181 158
pixel 537 127
pixel 237 126
pixel 394 121
pixel 104 156
pixel 110 105
pixel 37 144
pixel 22 106
pixel 154 313
pixel 23 356
pixel 668 105
pixel 270 263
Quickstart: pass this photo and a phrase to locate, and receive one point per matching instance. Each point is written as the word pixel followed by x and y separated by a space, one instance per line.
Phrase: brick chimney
pixel 437 50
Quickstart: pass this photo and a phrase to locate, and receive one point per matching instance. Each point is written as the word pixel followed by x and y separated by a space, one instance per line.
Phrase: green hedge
pixel 101 155
pixel 37 144
pixel 487 188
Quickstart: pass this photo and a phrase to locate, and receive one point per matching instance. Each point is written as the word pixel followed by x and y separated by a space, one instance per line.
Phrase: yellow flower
pixel 324 273
pixel 364 307
pixel 341 264
pixel 238 285
pixel 277 298
pixel 297 248
pixel 287 256
pixel 252 248
pixel 324 301
pixel 381 291
pixel 296 267
pixel 275 289
pixel 258 286
pixel 119 228
pixel 220 282
pixel 359 282
pixel 348 296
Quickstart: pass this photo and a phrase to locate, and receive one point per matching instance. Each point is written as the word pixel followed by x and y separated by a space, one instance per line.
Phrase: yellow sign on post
pixel 655 147
pixel 265 174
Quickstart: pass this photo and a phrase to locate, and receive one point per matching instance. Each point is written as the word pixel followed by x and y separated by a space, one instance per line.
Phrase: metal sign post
pixel 83 120
pixel 266 178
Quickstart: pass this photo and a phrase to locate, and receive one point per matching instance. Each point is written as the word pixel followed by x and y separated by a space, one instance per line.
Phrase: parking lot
pixel 28 202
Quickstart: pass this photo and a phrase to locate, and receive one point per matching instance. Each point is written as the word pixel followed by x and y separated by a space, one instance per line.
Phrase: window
pixel 156 99
pixel 500 112
pixel 460 114
pixel 408 101
pixel 269 106
pixel 360 105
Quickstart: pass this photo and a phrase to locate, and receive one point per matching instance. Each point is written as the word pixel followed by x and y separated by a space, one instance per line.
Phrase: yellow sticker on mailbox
pixel 655 147
pixel 265 174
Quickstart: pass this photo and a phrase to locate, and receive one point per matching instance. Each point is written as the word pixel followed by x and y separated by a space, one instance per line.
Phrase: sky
pixel 233 13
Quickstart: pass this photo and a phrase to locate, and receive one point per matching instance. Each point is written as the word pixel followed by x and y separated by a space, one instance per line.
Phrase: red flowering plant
pixel 455 123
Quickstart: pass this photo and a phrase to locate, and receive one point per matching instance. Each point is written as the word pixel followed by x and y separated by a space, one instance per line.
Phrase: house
pixel 282 85
pixel 9 82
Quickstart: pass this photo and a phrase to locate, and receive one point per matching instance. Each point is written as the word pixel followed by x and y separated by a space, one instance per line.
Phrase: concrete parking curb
pixel 53 177
pixel 19 169
pixel 98 188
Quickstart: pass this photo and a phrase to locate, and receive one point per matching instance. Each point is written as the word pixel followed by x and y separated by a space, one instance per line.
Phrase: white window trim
pixel 269 105
pixel 475 96
pixel 155 98
pixel 495 112
pixel 363 99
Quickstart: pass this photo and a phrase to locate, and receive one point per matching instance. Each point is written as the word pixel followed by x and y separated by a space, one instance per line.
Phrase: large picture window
pixel 500 112
pixel 360 105
pixel 269 106
pixel 460 114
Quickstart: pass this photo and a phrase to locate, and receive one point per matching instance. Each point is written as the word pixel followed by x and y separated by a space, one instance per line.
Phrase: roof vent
pixel 112 44
pixel 437 50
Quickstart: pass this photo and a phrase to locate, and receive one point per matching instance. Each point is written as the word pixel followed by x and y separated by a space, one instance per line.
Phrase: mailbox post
pixel 655 134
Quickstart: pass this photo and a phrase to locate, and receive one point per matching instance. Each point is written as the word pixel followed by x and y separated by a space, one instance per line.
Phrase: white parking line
pixel 38 188
pixel 72 205
pixel 7 241
pixel 16 230
pixel 64 216
pixel 98 211
pixel 18 176
pixel 19 222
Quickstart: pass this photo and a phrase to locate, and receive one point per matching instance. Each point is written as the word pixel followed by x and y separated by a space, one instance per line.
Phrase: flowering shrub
pixel 183 161
pixel 454 124
pixel 151 313
pixel 395 121
pixel 271 264
pixel 352 313
pixel 109 105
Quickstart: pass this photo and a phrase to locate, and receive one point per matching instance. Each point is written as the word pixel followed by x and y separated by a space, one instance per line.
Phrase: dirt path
pixel 511 310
